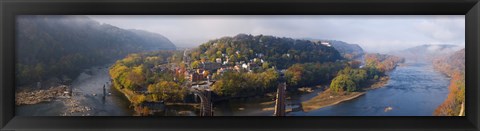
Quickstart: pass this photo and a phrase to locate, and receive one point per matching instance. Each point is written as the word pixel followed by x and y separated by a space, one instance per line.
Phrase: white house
pixel 245 66
pixel 325 43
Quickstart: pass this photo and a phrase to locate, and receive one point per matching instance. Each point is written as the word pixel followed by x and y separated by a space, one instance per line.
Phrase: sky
pixel 374 33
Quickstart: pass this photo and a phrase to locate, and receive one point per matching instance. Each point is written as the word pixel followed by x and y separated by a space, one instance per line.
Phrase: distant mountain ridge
pixel 449 64
pixel 426 52
pixel 350 51
pixel 54 45
pixel 152 39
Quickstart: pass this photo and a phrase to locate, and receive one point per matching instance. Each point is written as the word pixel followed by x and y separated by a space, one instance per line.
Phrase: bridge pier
pixel 206 104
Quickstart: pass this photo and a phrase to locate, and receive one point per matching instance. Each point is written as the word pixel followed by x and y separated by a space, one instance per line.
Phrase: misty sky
pixel 373 33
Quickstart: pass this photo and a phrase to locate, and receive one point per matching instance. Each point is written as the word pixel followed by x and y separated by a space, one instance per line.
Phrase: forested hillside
pixel 59 46
pixel 277 51
pixel 350 51
pixel 347 50
pixel 454 66
pixel 451 63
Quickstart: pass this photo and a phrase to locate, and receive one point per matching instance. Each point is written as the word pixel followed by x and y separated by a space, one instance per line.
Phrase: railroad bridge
pixel 207 105
pixel 280 100
pixel 205 101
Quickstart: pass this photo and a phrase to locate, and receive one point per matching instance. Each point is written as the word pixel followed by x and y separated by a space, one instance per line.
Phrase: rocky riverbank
pixel 60 93
pixel 27 97
pixel 75 108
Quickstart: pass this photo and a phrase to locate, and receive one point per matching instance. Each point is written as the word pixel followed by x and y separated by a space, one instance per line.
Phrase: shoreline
pixel 327 98
pixel 36 96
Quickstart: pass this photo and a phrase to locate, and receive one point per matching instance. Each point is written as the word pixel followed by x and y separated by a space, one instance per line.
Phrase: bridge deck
pixel 280 101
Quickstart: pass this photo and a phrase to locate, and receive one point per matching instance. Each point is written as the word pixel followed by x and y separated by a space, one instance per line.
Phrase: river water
pixel 413 90
pixel 88 91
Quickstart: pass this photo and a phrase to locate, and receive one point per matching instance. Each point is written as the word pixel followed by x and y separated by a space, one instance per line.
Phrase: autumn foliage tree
pixel 348 80
pixel 278 51
pixel 456 97
pixel 351 78
pixel 150 72
pixel 310 74
pixel 453 66
pixel 236 84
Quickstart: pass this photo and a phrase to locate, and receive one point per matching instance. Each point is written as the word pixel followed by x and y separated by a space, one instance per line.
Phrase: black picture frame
pixel 11 8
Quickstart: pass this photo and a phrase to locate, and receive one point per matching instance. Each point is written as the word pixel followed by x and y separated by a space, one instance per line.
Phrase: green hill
pixel 57 46
pixel 280 52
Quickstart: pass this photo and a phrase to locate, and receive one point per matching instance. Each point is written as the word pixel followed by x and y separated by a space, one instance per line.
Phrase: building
pixel 245 66
pixel 211 66
pixel 260 55
pixel 253 65
pixel 325 43
pixel 196 77
pixel 237 68
pixel 218 60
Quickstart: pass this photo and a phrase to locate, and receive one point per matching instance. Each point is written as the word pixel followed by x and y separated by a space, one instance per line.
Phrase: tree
pixel 138 99
pixel 39 71
pixel 137 75
pixel 265 65
pixel 456 96
pixel 219 54
pixel 237 84
pixel 195 64
pixel 294 74
pixel 343 83
pixel 206 73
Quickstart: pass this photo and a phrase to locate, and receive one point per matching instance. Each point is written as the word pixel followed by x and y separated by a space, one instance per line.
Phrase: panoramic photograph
pixel 240 65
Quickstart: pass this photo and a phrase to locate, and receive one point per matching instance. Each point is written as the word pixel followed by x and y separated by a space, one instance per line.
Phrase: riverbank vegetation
pixel 236 84
pixel 311 74
pixel 352 82
pixel 376 66
pixel 453 66
pixel 452 106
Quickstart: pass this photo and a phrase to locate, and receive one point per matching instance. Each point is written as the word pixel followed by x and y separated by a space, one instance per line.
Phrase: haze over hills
pixel 455 62
pixel 52 45
pixel 154 39
pixel 426 52
pixel 350 51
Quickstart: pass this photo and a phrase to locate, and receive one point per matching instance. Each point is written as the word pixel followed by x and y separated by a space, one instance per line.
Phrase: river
pixel 413 90
pixel 88 91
